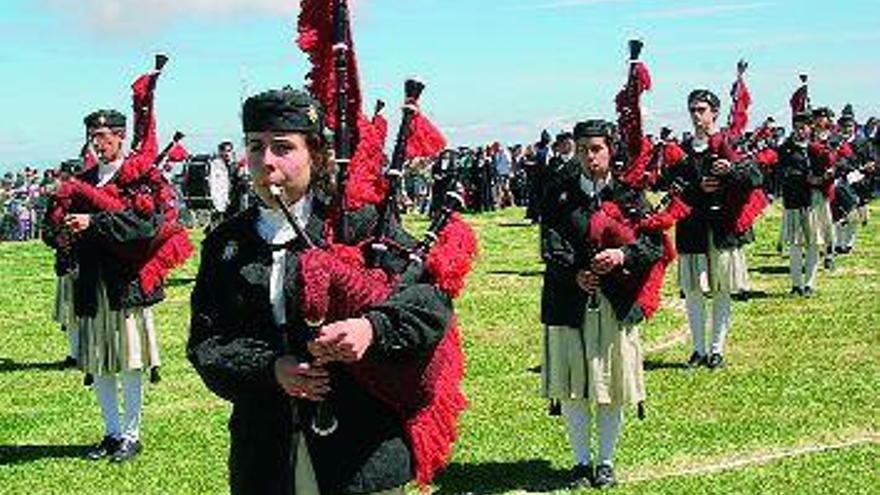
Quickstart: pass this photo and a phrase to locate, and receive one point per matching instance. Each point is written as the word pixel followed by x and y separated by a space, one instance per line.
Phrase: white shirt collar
pixel 273 227
pixel 106 171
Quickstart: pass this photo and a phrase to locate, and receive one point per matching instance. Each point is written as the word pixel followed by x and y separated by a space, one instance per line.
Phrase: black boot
pixel 604 477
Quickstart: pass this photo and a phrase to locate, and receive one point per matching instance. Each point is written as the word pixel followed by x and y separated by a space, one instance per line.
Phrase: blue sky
pixel 495 69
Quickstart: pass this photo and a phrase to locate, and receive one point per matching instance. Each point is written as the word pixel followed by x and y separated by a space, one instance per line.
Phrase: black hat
pixel 104 118
pixel 847 115
pixel 802 118
pixel 593 128
pixel 562 136
pixel 286 110
pixel 820 112
pixel 706 96
pixel 545 137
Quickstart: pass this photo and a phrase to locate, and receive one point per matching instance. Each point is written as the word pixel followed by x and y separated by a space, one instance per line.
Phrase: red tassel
pixel 424 139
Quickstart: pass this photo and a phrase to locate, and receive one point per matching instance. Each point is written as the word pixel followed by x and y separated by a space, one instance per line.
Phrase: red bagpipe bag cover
pixel 139 186
pixel 425 391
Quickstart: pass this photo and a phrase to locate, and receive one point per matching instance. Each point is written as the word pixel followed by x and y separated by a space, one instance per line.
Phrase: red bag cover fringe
pixel 425 392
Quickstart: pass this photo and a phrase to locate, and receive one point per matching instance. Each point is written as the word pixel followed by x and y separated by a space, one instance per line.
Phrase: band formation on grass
pixel 332 330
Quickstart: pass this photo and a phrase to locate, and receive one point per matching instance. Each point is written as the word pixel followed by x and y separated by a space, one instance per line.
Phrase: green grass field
pixel 796 411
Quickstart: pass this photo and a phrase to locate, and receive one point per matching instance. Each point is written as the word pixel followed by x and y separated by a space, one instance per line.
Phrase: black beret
pixel 285 110
pixel 823 112
pixel 562 136
pixel 593 128
pixel 803 118
pixel 704 95
pixel 847 115
pixel 104 118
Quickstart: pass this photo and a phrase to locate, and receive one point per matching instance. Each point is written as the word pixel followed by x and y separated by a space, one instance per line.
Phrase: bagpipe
pixel 138 186
pixel 339 280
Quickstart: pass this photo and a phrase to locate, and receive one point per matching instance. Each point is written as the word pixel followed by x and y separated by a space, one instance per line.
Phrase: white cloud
pixel 701 10
pixel 562 4
pixel 149 15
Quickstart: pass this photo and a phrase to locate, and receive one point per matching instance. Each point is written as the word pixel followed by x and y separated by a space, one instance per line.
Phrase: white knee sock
pixel 797 266
pixel 133 391
pixel 73 342
pixel 696 311
pixel 720 321
pixel 105 390
pixel 577 418
pixel 610 420
pixel 812 266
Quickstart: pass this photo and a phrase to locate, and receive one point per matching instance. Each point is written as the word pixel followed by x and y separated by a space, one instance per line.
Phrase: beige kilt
pixel 115 341
pixel 812 226
pixel 601 361
pixel 64 313
pixel 722 270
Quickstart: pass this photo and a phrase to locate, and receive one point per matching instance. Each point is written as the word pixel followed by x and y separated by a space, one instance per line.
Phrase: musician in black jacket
pixel 706 240
pixel 246 303
pixel 592 354
pixel 800 227
pixel 117 337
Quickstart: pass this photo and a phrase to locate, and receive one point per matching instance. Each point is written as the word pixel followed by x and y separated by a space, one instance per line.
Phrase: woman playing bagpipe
pixel 117 222
pixel 605 255
pixel 325 324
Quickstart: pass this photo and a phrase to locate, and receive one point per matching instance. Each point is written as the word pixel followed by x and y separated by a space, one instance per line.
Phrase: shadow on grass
pixel 518 273
pixel 771 269
pixel 501 477
pixel 7 365
pixel 180 281
pixel 18 454
pixel 651 365
pixel 517 225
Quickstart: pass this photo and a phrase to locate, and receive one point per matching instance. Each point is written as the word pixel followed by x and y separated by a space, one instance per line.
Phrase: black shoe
pixel 127 450
pixel 155 377
pixel 604 477
pixel 797 291
pixel 108 446
pixel 696 360
pixel 581 476
pixel 741 296
pixel 829 263
pixel 88 380
pixel 715 361
pixel 807 292
pixel 69 362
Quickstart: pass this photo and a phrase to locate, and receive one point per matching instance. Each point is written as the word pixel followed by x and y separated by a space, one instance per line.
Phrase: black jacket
pixel 94 254
pixel 234 343
pixel 793 170
pixel 565 215
pixel 692 232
